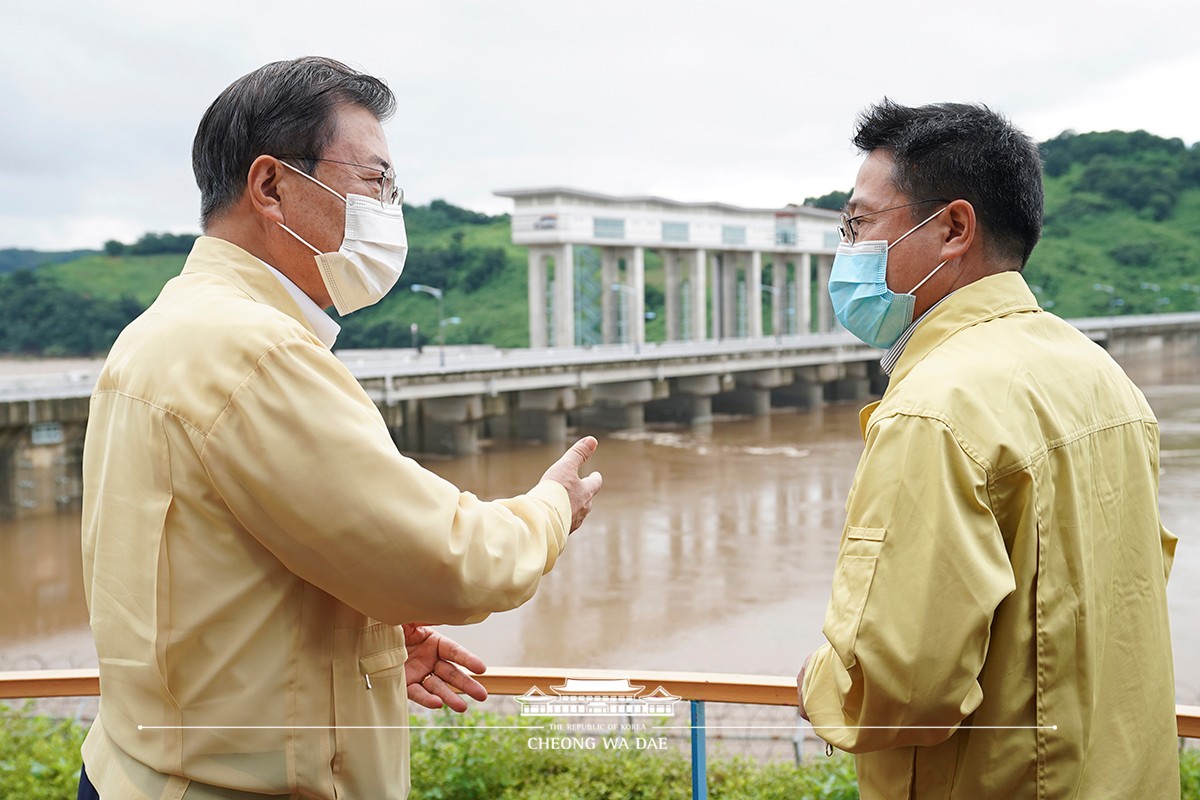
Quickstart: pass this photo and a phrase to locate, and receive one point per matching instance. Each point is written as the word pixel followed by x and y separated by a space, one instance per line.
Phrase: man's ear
pixel 960 230
pixel 264 188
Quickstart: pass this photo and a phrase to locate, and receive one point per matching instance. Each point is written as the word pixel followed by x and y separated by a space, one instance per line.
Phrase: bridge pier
pixel 680 408
pixel 745 400
pixel 451 425
pixel 805 390
pixel 621 406
pixel 752 394
pixel 852 385
pixel 690 400
pixel 541 415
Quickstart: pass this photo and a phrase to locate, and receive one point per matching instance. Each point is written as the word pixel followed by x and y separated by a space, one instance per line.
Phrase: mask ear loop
pixel 913 290
pixel 905 236
pixel 339 197
pixel 318 183
pixel 298 239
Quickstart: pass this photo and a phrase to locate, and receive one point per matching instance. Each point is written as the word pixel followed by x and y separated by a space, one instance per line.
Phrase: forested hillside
pixel 1122 231
pixel 1122 236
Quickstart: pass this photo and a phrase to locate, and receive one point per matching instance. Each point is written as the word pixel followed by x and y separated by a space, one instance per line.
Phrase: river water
pixel 709 550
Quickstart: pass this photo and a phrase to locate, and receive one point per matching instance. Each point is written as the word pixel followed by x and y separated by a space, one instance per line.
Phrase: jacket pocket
pixel 851 587
pixel 371 712
pixel 381 666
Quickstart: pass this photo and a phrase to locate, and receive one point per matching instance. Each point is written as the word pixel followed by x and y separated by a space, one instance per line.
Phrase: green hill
pixel 1122 236
pixel 1122 231
pixel 13 259
pixel 113 277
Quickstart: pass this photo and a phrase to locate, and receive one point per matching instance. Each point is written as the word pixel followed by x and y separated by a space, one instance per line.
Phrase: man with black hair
pixel 998 622
pixel 260 563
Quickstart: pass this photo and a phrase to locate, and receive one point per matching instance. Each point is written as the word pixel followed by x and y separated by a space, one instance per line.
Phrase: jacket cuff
pixel 555 495
pixel 823 692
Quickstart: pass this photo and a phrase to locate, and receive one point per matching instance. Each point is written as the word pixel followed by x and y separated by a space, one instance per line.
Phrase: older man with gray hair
pixel 260 562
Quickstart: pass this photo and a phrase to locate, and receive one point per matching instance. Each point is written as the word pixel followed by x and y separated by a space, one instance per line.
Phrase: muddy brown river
pixel 709 550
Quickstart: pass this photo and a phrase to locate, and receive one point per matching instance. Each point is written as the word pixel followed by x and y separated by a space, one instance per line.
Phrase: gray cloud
pixel 747 103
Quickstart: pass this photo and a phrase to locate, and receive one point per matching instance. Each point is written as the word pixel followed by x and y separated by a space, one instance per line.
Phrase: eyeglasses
pixel 389 193
pixel 849 225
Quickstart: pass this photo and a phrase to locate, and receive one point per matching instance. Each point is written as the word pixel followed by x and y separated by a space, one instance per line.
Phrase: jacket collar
pixel 229 262
pixel 987 298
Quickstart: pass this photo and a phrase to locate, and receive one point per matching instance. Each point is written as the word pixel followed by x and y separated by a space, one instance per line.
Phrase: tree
pixel 834 201
pixel 37 315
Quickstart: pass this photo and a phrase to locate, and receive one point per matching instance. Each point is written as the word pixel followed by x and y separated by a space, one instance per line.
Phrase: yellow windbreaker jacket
pixel 251 538
pixel 998 622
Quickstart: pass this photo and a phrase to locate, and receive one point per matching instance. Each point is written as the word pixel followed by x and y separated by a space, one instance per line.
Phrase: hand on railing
pixel 430 672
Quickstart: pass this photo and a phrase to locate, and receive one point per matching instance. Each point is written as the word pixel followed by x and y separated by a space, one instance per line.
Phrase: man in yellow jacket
pixel 260 562
pixel 998 623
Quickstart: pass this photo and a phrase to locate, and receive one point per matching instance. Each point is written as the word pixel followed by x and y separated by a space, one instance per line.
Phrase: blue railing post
pixel 699 752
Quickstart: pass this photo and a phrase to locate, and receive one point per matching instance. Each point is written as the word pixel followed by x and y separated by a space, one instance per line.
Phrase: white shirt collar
pixel 322 324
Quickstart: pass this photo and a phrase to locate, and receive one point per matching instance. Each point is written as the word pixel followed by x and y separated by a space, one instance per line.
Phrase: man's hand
pixel 800 685
pixel 430 673
pixel 580 490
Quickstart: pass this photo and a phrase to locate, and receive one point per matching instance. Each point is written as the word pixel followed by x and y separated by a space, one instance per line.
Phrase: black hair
pixel 282 108
pixel 967 151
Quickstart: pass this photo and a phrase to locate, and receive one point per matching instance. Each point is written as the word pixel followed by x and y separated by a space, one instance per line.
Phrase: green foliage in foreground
pixel 39 760
pixel 467 762
pixel 1189 774
pixel 39 756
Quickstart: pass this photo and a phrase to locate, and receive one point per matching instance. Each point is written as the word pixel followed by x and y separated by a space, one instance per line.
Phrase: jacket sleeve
pixel 303 459
pixel 921 570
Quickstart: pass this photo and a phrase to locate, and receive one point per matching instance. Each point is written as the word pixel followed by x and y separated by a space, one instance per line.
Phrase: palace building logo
pixel 598 698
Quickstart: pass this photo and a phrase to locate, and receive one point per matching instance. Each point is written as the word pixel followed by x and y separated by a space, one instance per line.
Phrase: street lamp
pixel 436 292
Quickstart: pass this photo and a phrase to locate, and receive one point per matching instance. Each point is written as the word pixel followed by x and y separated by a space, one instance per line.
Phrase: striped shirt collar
pixel 888 362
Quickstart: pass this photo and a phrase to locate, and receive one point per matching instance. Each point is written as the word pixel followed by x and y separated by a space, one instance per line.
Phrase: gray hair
pixel 285 108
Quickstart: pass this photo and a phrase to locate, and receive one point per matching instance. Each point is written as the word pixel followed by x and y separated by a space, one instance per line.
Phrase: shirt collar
pixel 888 362
pixel 322 324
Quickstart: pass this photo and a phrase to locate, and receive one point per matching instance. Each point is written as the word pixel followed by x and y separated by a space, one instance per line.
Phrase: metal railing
pixel 698 688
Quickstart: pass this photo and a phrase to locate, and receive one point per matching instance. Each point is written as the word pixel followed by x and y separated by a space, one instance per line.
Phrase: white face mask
pixel 371 258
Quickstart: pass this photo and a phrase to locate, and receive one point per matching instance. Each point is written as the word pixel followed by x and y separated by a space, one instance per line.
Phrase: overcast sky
pixel 749 102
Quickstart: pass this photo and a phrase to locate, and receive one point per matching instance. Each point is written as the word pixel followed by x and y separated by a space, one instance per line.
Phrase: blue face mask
pixel 861 298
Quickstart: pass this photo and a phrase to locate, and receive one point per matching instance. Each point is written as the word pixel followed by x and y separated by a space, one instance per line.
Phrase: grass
pixel 111 277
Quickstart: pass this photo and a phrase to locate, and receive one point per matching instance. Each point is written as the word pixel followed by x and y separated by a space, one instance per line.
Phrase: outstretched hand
pixel 579 490
pixel 431 675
